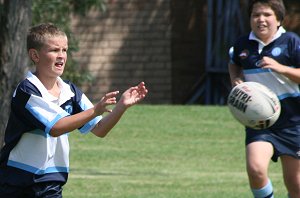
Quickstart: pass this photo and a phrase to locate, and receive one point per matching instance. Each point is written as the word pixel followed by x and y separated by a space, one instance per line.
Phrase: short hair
pixel 276 5
pixel 38 34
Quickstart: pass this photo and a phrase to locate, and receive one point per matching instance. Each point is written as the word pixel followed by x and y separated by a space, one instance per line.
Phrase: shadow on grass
pixel 94 173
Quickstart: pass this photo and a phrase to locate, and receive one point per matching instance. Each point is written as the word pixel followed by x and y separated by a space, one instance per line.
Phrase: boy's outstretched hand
pixel 133 95
pixel 130 97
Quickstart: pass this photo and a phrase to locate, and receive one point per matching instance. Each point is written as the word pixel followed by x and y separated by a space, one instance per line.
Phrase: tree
pixel 13 56
pixel 15 18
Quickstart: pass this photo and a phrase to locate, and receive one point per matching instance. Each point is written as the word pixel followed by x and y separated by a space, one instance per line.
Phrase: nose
pixel 61 53
pixel 261 18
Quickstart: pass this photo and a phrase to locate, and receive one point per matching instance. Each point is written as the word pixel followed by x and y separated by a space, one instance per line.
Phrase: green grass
pixel 162 151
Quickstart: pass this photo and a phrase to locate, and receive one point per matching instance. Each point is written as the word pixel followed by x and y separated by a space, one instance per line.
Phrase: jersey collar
pixel 280 31
pixel 261 44
pixel 65 91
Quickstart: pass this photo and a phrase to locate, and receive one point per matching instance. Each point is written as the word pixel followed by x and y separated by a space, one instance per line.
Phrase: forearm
pixel 235 73
pixel 292 73
pixel 72 122
pixel 109 121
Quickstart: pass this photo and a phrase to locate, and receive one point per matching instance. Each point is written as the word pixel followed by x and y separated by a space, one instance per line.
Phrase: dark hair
pixel 38 34
pixel 276 5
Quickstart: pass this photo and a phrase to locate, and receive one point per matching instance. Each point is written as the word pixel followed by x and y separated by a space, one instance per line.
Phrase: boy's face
pixel 264 22
pixel 52 57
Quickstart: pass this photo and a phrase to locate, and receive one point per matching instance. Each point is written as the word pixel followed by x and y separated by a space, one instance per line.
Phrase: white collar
pixel 65 91
pixel 280 31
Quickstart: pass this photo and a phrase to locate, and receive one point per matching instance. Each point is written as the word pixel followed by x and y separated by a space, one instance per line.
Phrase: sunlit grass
pixel 163 151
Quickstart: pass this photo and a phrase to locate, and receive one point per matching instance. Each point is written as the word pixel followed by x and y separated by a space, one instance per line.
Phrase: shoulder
pixel 26 86
pixel 76 94
pixel 75 89
pixel 242 39
pixel 291 40
pixel 243 42
pixel 290 37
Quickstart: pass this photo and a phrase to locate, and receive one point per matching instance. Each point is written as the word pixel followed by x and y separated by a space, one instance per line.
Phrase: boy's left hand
pixel 270 63
pixel 133 95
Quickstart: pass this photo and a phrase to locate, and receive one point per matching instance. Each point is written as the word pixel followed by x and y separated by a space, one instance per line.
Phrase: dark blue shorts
pixel 38 190
pixel 285 141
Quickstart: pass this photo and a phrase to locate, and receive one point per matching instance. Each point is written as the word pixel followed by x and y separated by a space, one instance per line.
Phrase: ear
pixel 278 23
pixel 33 55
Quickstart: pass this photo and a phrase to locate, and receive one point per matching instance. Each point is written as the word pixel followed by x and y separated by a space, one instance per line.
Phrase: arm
pixel 290 72
pixel 130 97
pixel 236 74
pixel 73 122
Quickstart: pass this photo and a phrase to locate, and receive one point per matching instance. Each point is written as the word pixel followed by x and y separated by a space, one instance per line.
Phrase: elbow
pixel 54 134
pixel 99 131
pixel 100 135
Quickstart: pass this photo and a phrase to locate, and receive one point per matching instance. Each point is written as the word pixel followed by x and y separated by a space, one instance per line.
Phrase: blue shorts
pixel 285 141
pixel 45 189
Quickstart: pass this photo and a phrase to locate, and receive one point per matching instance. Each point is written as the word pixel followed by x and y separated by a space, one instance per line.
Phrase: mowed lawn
pixel 165 151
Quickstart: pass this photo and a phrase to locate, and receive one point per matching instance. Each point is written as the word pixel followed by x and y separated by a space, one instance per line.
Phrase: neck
pixel 50 84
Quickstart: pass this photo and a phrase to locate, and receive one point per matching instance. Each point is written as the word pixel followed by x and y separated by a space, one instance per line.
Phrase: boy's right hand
pixel 108 99
pixel 236 81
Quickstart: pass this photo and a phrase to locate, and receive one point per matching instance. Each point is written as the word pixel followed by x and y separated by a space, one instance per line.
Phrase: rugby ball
pixel 254 105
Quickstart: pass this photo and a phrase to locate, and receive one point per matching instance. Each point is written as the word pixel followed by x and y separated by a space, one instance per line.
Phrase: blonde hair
pixel 38 34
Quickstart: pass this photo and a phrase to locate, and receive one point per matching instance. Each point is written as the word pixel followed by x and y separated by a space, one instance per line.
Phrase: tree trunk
pixel 15 18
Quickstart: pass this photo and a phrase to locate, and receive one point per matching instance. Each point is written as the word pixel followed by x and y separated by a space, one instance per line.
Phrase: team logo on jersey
pixel 244 54
pixel 68 108
pixel 276 51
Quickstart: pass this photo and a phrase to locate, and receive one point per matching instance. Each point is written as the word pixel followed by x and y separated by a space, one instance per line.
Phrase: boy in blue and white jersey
pixel 271 56
pixel 34 161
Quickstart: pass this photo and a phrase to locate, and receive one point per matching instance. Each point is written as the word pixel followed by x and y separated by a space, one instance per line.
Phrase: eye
pixel 255 15
pixel 54 50
pixel 267 14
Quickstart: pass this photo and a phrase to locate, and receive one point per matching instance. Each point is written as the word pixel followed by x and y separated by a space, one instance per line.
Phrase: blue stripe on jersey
pixel 274 81
pixel 255 71
pixel 37 154
pixel 86 104
pixel 51 124
pixel 258 70
pixel 90 125
pixel 46 112
pixel 36 170
pixel 287 95
pixel 28 145
pixel 285 50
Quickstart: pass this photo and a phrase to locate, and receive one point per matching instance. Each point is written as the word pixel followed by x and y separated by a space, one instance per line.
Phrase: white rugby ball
pixel 254 105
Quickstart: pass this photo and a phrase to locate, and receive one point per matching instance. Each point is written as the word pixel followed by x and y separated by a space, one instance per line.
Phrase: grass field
pixel 162 151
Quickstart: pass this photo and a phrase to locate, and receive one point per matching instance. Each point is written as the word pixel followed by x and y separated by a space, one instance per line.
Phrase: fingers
pixel 142 89
pixel 110 98
pixel 236 81
pixel 111 94
pixel 266 61
pixel 107 99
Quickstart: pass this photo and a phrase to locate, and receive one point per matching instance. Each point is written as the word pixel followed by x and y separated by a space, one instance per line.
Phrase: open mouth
pixel 59 64
pixel 261 27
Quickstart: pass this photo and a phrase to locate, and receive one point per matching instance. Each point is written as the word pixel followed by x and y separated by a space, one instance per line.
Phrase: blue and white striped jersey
pixel 30 154
pixel 285 49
